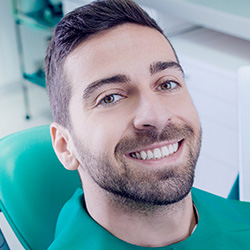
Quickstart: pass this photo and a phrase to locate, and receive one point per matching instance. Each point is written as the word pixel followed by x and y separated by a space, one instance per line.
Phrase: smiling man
pixel 125 120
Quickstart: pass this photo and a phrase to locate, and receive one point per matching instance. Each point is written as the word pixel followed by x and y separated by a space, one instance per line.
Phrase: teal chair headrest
pixel 33 186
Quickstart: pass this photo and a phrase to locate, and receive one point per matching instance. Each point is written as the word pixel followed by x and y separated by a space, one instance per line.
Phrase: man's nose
pixel 151 113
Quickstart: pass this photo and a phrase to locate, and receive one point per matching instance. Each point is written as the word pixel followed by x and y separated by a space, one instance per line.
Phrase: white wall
pixel 9 64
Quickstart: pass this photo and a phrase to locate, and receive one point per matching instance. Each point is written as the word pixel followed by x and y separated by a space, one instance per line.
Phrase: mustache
pixel 145 138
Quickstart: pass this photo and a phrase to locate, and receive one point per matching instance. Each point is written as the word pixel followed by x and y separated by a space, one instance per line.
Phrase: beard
pixel 129 184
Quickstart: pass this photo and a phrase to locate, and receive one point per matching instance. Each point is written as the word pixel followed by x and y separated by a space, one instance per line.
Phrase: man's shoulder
pixel 200 195
pixel 230 212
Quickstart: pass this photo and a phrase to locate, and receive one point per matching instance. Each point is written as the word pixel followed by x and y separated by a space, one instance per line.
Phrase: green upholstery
pixel 235 192
pixel 33 186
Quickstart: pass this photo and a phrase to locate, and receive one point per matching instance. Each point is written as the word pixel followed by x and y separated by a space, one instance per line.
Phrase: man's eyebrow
pixel 160 66
pixel 105 81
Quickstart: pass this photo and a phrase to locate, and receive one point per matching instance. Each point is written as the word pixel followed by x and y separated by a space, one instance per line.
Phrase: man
pixel 125 120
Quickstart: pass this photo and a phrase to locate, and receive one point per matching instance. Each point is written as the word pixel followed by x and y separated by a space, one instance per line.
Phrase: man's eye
pixel 168 85
pixel 111 99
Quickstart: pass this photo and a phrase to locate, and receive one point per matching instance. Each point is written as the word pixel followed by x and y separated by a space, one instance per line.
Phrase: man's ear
pixel 63 146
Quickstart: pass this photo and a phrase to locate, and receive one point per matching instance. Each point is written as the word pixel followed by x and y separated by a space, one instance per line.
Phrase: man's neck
pixel 153 226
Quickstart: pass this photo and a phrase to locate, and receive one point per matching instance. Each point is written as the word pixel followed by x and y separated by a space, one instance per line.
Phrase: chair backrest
pixel 33 186
pixel 243 89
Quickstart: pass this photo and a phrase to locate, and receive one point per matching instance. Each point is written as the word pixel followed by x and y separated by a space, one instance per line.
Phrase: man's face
pixel 134 126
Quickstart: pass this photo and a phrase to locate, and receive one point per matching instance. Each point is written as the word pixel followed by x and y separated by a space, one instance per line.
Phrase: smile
pixel 156 153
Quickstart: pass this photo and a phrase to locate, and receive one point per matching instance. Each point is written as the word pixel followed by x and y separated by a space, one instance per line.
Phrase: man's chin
pixel 145 190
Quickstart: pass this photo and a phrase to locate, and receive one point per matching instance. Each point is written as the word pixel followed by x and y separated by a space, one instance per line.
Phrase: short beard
pixel 136 188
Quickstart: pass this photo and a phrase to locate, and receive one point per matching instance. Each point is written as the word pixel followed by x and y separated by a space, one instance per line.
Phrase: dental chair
pixel 33 186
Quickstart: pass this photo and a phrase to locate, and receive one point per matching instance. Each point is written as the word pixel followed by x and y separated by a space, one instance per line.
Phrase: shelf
pixel 45 17
pixel 230 17
pixel 37 20
pixel 37 78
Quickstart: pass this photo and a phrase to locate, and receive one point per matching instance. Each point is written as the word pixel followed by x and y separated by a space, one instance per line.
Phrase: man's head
pixel 75 28
pixel 134 131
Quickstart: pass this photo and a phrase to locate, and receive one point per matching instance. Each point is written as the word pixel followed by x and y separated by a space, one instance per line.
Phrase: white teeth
pixel 143 155
pixel 175 147
pixel 150 155
pixel 171 149
pixel 165 151
pixel 138 156
pixel 158 153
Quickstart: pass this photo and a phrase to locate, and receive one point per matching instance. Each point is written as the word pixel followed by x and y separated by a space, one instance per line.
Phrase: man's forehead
pixel 115 49
pixel 127 32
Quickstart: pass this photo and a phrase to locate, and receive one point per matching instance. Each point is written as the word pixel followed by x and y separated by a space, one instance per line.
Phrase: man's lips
pixel 156 153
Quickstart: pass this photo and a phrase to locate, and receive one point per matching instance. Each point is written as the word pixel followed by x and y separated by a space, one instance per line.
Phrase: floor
pixel 12 108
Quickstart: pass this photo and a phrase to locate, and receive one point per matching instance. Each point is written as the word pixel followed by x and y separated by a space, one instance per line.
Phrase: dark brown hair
pixel 76 27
